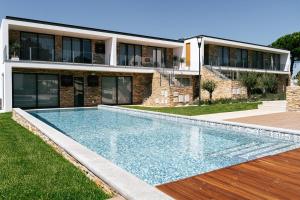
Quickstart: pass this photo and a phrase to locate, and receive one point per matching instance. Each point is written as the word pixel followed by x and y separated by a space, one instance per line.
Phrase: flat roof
pixel 128 34
pixel 89 28
pixel 230 40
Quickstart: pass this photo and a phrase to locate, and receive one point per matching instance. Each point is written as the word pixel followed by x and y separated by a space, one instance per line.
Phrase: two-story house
pixel 45 64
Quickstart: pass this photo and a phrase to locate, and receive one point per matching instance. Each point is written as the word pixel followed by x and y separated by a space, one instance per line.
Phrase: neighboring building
pixel 45 64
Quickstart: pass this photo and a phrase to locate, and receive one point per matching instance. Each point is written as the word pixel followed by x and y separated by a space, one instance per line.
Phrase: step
pixel 232 149
pixel 269 149
pixel 250 149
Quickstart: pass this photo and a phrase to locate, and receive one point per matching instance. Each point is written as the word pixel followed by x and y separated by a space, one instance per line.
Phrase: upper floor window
pixel 137 55
pixel 36 46
pixel 241 58
pixel 76 50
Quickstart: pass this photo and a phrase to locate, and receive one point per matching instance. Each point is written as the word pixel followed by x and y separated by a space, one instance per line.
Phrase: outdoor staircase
pixel 279 106
pixel 255 150
pixel 216 72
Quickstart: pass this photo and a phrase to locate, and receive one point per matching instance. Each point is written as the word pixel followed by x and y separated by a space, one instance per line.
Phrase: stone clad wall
pixel 164 94
pixel 92 95
pixel 293 98
pixel 225 89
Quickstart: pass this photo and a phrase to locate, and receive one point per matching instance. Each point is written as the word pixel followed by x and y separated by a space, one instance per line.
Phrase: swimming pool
pixel 159 150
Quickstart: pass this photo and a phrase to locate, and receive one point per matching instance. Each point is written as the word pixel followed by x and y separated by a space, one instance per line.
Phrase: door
pixel 78 92
pixel 116 90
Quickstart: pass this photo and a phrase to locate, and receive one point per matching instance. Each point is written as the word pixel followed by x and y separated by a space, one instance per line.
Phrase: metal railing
pixel 266 65
pixel 50 55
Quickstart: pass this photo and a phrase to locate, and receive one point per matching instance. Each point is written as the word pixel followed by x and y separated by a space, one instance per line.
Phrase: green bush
pixel 267 83
pixel 249 81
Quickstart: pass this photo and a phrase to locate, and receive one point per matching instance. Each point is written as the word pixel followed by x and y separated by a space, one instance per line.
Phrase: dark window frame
pixel 36 89
pixel 117 86
pixel 38 44
pixel 81 49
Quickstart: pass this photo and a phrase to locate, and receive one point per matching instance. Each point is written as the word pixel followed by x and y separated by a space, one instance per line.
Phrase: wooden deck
pixel 272 177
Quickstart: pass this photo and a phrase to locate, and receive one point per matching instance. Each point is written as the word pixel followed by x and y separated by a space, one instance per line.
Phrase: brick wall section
pixel 92 95
pixel 58 48
pixel 293 98
pixel 164 94
pixel 224 89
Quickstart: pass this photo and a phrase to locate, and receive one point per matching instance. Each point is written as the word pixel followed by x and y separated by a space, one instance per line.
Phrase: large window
pixel 77 50
pixel 116 90
pixel 136 55
pixel 35 90
pixel 241 57
pixel 37 47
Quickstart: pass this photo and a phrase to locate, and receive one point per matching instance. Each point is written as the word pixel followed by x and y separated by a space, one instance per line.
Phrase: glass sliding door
pixel 29 46
pixel 86 51
pixel 47 87
pixel 35 90
pixel 76 50
pixel 46 47
pixel 124 90
pixel 24 90
pixel 116 90
pixel 109 90
pixel 138 55
pixel 123 54
pixel 130 55
pixel 67 49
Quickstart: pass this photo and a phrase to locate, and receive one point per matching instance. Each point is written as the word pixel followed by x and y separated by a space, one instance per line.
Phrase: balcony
pixel 245 66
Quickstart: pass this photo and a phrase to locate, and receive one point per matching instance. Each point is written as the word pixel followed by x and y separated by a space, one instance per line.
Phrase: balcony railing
pixel 245 65
pixel 50 55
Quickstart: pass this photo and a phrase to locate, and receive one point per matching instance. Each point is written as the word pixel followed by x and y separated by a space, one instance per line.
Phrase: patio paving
pixel 288 120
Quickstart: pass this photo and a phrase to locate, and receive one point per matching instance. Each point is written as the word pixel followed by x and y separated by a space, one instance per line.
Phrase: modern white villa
pixel 45 64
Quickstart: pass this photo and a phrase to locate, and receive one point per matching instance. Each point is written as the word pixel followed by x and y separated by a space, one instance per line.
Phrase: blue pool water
pixel 156 150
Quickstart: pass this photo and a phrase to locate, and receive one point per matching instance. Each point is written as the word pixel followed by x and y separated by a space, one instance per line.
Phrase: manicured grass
pixel 200 110
pixel 31 169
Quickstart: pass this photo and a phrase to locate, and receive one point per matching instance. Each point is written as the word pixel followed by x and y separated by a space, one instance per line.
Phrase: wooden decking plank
pixel 271 177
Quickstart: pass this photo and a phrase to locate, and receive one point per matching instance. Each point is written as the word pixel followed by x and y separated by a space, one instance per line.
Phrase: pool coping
pixel 125 183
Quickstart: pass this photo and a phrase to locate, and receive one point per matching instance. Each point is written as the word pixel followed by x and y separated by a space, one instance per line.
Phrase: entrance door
pixel 78 92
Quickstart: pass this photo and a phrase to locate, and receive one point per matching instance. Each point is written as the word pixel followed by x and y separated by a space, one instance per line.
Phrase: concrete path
pixel 268 107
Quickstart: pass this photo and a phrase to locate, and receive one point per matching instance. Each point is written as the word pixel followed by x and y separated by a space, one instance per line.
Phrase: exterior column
pixel 7 93
pixel 111 51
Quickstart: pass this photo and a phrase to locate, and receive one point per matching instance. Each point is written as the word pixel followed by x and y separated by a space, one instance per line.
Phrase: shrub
pixel 209 86
pixel 268 83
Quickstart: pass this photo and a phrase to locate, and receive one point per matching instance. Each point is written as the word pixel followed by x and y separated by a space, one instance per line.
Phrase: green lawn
pixel 30 169
pixel 200 110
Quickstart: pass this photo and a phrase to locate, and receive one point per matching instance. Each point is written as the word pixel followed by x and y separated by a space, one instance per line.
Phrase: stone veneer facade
pixel 226 88
pixel 293 98
pixel 92 95
pixel 166 94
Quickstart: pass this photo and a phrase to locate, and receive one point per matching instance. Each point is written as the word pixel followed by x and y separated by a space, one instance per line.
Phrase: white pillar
pixel 7 93
pixel 111 51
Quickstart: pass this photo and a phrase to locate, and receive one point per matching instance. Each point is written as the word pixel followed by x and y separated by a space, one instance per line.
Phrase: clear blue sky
pixel 257 21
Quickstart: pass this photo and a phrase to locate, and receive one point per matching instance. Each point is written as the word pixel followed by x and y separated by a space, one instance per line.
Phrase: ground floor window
pixel 116 90
pixel 35 90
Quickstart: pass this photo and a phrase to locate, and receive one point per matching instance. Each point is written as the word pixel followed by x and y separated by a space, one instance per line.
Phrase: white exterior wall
pixel 5 72
pixel 194 56
pixel 111 51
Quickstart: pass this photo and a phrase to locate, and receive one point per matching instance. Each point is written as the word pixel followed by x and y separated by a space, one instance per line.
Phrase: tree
pixel 249 80
pixel 289 42
pixel 268 83
pixel 209 86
